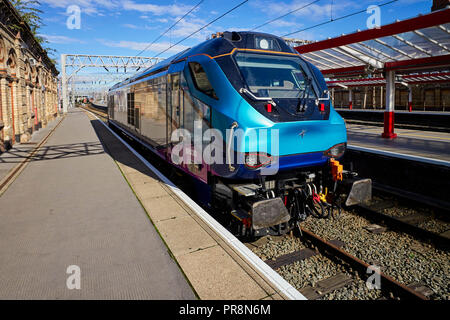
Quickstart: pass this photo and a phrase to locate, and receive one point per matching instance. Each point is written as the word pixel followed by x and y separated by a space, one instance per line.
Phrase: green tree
pixel 31 14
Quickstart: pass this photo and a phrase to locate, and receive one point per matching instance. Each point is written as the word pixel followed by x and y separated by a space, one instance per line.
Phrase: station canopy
pixel 418 49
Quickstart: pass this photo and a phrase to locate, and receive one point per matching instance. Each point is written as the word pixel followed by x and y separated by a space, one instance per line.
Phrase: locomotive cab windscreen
pixel 274 76
pixel 283 85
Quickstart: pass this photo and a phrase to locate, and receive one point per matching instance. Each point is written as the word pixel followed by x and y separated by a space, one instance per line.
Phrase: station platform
pixel 427 146
pixel 84 199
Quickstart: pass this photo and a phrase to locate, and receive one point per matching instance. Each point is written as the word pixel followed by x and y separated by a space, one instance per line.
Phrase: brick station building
pixel 28 80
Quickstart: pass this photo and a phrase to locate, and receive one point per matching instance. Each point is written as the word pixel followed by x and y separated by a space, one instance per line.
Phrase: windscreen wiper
pixel 302 101
pixel 251 95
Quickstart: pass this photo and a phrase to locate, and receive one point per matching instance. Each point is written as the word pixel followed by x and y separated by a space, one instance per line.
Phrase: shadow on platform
pixel 17 155
pixel 119 152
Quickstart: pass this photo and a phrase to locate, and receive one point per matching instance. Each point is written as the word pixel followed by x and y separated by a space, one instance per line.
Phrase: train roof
pixel 225 43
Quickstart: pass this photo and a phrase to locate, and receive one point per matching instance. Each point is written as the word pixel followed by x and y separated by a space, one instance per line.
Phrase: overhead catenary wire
pixel 284 15
pixel 336 19
pixel 170 28
pixel 200 29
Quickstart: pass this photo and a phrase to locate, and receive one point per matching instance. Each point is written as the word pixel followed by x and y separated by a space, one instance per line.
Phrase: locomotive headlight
pixel 264 44
pixel 255 160
pixel 336 151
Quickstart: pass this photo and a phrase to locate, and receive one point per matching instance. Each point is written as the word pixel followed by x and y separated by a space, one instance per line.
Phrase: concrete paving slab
pixel 249 269
pixel 139 179
pixel 163 208
pixel 275 296
pixel 132 168
pixel 225 281
pixel 183 235
pixel 149 191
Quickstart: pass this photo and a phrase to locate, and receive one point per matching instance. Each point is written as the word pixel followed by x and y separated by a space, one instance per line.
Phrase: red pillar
pixel 390 101
pixel 409 98
pixel 389 125
pixel 13 138
pixel 350 102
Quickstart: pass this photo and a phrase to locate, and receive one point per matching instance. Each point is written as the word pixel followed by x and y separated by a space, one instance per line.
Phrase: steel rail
pixel 396 223
pixel 387 283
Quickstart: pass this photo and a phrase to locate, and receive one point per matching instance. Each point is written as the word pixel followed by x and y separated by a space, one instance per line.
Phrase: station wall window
pixel 201 80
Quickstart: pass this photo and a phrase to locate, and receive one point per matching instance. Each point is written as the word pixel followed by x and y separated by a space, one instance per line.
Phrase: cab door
pixel 174 112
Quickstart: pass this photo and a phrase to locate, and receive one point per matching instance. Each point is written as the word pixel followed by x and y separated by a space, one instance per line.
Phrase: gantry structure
pixel 81 71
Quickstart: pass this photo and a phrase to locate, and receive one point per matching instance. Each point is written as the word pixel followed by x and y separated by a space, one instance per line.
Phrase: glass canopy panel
pixel 372 52
pixel 417 41
pixel 336 63
pixel 341 57
pixel 391 53
pixel 347 56
pixel 316 62
pixel 438 35
pixel 404 50
pixel 423 43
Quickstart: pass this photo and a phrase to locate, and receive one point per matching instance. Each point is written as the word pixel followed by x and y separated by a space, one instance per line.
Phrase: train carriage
pixel 263 114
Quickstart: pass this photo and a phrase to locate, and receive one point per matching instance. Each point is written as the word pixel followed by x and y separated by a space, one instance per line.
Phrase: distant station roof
pixel 420 44
pixel 423 77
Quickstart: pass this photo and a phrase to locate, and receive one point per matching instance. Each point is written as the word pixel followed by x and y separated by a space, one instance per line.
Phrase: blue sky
pixel 125 27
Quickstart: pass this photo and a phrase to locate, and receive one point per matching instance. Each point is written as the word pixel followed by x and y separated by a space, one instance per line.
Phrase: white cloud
pixel 98 7
pixel 185 28
pixel 60 39
pixel 138 46
pixel 90 7
pixel 316 11
pixel 158 10
pixel 282 23
pixel 136 27
pixel 130 26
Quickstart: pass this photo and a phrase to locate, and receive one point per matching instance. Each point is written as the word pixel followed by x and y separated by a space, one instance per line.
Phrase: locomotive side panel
pixel 152 98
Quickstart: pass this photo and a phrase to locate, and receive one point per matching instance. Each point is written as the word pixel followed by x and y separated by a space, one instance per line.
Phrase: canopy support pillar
pixel 390 103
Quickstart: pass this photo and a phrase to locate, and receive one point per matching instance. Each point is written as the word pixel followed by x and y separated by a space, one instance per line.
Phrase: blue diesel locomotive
pixel 277 138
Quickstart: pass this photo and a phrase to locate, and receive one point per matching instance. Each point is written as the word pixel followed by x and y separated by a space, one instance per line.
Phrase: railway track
pixel 98 112
pixel 325 269
pixel 413 262
pixel 329 259
pixel 424 222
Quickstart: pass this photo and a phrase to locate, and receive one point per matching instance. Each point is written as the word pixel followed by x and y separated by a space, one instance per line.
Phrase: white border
pixel 277 281
pixel 401 155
